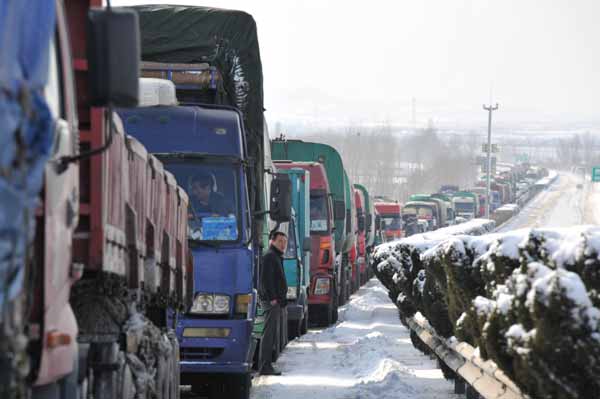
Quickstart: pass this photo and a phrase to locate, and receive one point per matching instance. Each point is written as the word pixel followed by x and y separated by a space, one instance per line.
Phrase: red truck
pixel 322 301
pixel 391 217
pixel 361 242
pixel 108 267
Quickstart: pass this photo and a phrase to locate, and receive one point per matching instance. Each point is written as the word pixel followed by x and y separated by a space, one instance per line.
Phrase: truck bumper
pixel 216 355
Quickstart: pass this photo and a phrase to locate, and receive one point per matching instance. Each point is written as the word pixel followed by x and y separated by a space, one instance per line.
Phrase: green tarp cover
pixel 226 39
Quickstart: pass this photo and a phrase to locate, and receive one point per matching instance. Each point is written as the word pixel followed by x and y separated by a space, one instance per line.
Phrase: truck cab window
pixel 214 207
pixel 318 213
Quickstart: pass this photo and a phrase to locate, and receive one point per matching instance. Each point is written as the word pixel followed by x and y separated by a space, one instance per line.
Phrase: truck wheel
pixel 239 386
pixel 304 325
pixel 341 298
pixel 294 329
pixel 329 315
pixel 334 312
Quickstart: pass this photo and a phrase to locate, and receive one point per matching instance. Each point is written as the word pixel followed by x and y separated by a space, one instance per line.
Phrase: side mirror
pixel 339 210
pixel 377 223
pixel 361 223
pixel 306 245
pixel 280 209
pixel 113 52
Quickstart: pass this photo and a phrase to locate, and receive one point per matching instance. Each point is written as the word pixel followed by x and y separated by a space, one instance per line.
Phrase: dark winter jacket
pixel 217 204
pixel 272 277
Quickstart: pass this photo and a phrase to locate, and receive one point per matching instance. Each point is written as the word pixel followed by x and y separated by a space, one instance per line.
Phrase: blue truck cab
pixel 204 147
pixel 297 258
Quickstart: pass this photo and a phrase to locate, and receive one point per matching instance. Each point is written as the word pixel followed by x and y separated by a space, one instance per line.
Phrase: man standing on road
pixel 273 297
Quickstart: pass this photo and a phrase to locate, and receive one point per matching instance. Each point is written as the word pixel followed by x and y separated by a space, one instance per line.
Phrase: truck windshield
pixel 463 206
pixel 214 210
pixel 392 222
pixel 419 211
pixel 319 214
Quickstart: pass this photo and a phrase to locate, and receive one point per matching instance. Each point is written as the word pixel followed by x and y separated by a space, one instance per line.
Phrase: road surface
pixel 367 355
pixel 563 204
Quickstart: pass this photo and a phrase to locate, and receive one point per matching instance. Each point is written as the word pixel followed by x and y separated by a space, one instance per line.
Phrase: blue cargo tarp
pixel 26 130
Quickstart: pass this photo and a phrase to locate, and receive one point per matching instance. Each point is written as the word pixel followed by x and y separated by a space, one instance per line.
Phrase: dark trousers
pixel 272 320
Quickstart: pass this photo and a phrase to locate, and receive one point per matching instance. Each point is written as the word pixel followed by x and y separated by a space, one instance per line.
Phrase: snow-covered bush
pixel 529 299
pixel 398 265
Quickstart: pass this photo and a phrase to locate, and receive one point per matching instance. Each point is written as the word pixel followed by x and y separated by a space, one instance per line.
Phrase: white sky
pixel 355 61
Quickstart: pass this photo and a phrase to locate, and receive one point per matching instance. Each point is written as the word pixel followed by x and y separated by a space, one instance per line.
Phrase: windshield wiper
pixel 208 244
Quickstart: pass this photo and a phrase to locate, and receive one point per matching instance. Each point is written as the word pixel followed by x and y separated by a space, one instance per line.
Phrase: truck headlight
pixel 292 293
pixel 210 304
pixel 322 286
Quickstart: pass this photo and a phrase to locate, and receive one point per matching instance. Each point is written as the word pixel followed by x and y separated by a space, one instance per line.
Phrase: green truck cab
pixel 441 217
pixel 297 258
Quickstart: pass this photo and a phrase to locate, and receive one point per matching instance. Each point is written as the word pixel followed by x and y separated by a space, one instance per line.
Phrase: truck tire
pixel 304 325
pixel 334 312
pixel 328 319
pixel 294 329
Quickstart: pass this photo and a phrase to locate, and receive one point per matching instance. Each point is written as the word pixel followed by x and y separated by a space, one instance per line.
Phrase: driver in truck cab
pixel 204 198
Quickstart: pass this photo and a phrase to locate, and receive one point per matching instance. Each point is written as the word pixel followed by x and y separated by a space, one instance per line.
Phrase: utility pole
pixel 490 109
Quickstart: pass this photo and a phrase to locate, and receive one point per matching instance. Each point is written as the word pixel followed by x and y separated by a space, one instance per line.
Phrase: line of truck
pixel 152 202
pixel 510 189
pixel 135 211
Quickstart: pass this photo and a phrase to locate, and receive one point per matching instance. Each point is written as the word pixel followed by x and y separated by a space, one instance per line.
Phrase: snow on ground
pixel 367 355
pixel 561 205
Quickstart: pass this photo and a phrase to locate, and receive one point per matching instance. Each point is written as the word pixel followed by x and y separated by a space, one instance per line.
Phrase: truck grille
pixel 200 353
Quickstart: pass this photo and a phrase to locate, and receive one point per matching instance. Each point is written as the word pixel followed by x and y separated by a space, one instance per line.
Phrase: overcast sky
pixel 362 61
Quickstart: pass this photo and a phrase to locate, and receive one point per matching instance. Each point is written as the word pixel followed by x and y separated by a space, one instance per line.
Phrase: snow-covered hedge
pixel 399 267
pixel 529 299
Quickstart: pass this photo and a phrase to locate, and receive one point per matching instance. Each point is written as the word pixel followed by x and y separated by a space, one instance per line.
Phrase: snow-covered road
pixel 561 205
pixel 367 355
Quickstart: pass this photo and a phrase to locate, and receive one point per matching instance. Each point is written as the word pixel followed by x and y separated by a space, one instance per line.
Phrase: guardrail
pixel 484 377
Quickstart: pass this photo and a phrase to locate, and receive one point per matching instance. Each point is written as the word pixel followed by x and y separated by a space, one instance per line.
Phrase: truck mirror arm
pixel 64 162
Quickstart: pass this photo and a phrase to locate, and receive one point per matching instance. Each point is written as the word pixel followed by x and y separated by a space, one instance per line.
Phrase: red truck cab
pixel 391 215
pixel 361 242
pixel 322 300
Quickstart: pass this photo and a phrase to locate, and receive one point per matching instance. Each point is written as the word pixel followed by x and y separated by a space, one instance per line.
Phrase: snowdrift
pixel 528 299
